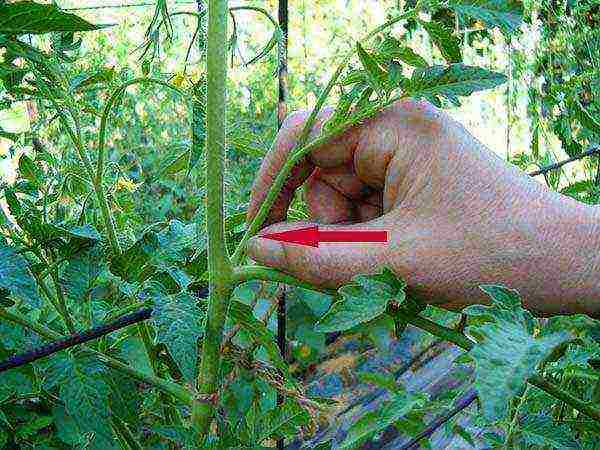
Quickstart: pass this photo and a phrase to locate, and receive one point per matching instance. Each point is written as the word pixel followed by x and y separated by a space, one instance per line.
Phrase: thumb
pixel 329 265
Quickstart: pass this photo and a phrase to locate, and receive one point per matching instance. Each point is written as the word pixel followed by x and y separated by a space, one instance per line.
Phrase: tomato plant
pixel 155 334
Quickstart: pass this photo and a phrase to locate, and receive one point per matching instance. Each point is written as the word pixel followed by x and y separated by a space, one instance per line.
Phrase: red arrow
pixel 312 236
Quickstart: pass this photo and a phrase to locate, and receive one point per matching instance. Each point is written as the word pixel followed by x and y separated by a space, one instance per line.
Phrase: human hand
pixel 457 215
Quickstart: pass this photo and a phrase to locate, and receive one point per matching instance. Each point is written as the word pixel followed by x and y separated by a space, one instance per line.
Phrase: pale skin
pixel 457 215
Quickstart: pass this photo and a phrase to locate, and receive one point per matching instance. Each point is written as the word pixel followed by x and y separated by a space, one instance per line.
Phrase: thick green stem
pixel 164 385
pixel 465 343
pixel 219 266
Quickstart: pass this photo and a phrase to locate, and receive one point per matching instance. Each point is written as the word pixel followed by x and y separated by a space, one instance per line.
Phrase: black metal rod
pixel 75 339
pixel 463 403
pixel 589 152
pixel 282 78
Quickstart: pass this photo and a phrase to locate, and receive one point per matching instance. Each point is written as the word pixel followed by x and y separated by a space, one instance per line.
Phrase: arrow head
pixel 304 236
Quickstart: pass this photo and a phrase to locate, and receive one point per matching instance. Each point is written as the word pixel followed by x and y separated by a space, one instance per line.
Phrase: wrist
pixel 569 241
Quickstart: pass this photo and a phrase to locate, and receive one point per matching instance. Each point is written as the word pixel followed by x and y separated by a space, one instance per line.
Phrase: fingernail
pixel 266 251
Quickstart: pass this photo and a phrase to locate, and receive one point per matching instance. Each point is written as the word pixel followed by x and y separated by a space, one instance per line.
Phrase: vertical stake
pixel 282 54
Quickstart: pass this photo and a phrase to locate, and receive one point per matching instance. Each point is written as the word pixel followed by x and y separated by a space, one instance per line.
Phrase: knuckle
pixel 294 120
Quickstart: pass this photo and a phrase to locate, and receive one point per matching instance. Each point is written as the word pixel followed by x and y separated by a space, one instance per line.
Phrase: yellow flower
pixel 178 79
pixel 65 200
pixel 304 351
pixel 125 184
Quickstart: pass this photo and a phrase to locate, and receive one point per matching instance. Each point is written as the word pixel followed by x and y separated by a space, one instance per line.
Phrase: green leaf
pixel 285 420
pixel 132 265
pixel 506 15
pixel 84 232
pixel 175 240
pixel 345 103
pixel 133 351
pixel 35 18
pixel 353 77
pixel 392 48
pixel 16 278
pixel 451 82
pixel 395 77
pixel 158 252
pixel 380 331
pixel 84 392
pixel 12 336
pixel 125 401
pixel 464 433
pixel 501 296
pixel 381 380
pixel 17 381
pixel 31 428
pixel 179 324
pixel 374 422
pixel 30 171
pixel 87 80
pixel 377 75
pixel 243 315
pixel 576 358
pixel 306 334
pixel 80 274
pixel 541 431
pixel 443 39
pixel 508 353
pixel 363 300
pixel 14 205
pixel 175 163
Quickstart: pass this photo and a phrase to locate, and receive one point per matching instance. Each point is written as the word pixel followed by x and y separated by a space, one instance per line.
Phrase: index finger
pixel 337 152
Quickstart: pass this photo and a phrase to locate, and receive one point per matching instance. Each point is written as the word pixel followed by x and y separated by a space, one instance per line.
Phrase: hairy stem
pixel 242 274
pixel 219 266
pixel 62 303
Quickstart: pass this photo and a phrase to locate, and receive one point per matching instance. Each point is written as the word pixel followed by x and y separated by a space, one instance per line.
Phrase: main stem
pixel 219 266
